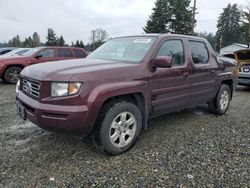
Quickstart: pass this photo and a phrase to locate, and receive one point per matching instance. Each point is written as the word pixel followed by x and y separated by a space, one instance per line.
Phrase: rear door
pixel 203 75
pixel 79 53
pixel 64 53
pixel 170 86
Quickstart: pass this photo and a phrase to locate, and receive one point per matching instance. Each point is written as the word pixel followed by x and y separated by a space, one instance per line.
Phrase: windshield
pixel 129 49
pixel 31 52
pixel 243 55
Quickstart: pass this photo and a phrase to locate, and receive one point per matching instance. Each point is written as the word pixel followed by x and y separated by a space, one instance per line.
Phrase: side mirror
pixel 37 56
pixel 162 62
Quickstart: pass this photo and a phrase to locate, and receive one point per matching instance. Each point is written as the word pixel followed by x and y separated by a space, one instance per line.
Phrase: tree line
pixel 175 16
pixel 97 38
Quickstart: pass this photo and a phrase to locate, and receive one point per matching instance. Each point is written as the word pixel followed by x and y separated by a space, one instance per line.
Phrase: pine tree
pixel 211 38
pixel 15 42
pixel 61 41
pixel 81 44
pixel 36 39
pixel 180 21
pixel 51 38
pixel 77 44
pixel 157 21
pixel 173 16
pixel 229 26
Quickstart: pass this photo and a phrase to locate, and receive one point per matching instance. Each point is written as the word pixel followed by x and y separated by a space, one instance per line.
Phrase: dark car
pixel 114 91
pixel 6 50
pixel 10 67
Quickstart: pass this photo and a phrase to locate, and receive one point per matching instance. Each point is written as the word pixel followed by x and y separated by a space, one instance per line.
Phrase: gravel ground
pixel 191 148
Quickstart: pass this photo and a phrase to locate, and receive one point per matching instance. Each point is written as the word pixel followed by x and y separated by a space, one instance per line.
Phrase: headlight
pixel 59 89
pixel 17 86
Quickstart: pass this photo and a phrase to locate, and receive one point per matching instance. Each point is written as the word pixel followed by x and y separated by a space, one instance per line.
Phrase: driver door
pixel 44 55
pixel 170 86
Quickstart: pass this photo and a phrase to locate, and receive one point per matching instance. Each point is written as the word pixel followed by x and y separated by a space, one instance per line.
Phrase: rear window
pixel 199 52
pixel 79 53
pixel 63 52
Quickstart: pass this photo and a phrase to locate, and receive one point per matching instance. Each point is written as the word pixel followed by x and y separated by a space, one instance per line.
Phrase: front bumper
pixel 244 79
pixel 56 118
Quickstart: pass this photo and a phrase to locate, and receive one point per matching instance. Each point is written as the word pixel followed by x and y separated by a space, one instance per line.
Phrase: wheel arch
pixel 230 84
pixel 12 65
pixel 137 98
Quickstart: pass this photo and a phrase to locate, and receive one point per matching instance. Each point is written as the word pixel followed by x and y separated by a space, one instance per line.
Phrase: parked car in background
pixel 6 50
pixel 10 67
pixel 16 52
pixel 242 57
pixel 114 91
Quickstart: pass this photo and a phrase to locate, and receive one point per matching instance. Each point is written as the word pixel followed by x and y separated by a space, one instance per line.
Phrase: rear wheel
pixel 118 127
pixel 221 102
pixel 12 74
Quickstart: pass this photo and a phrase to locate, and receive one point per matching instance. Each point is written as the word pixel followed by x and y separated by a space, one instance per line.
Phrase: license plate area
pixel 21 111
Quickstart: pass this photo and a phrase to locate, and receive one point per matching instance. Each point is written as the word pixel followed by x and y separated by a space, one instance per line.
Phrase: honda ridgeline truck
pixel 114 91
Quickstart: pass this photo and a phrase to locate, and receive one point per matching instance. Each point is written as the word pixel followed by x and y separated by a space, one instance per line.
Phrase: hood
pixel 77 68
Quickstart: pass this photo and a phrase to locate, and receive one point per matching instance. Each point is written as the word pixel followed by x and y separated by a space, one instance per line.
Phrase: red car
pixel 10 67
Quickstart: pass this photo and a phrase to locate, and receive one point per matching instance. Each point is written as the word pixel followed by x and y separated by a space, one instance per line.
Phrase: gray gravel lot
pixel 191 148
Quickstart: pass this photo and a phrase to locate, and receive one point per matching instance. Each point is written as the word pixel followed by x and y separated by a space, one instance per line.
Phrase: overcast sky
pixel 74 19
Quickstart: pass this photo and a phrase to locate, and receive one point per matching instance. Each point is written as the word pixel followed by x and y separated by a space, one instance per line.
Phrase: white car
pixel 16 52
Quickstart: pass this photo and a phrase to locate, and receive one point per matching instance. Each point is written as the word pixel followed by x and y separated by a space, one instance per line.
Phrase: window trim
pixel 208 54
pixel 184 51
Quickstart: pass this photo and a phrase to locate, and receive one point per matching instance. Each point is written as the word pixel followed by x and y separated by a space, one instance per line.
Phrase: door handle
pixel 185 74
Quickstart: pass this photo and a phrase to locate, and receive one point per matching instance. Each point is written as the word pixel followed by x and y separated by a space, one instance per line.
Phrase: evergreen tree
pixel 180 21
pixel 15 42
pixel 211 38
pixel 157 22
pixel 229 26
pixel 77 43
pixel 51 38
pixel 61 41
pixel 36 39
pixel 81 44
pixel 173 16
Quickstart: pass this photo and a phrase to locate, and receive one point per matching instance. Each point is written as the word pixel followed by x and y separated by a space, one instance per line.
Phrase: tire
pixel 220 103
pixel 11 75
pixel 117 128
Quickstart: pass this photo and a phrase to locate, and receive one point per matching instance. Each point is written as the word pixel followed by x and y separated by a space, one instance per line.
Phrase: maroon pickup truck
pixel 10 67
pixel 114 91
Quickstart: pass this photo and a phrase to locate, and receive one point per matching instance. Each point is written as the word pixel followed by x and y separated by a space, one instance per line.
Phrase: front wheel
pixel 12 74
pixel 221 102
pixel 118 127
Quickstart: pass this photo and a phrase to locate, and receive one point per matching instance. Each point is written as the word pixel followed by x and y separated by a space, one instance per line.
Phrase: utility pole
pixel 193 19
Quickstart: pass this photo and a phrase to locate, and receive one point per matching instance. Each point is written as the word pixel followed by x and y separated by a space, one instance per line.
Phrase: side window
pixel 79 53
pixel 199 52
pixel 4 52
pixel 47 53
pixel 174 49
pixel 64 52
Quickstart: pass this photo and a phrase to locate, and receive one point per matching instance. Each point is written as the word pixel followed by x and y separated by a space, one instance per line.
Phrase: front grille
pixel 247 66
pixel 31 87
